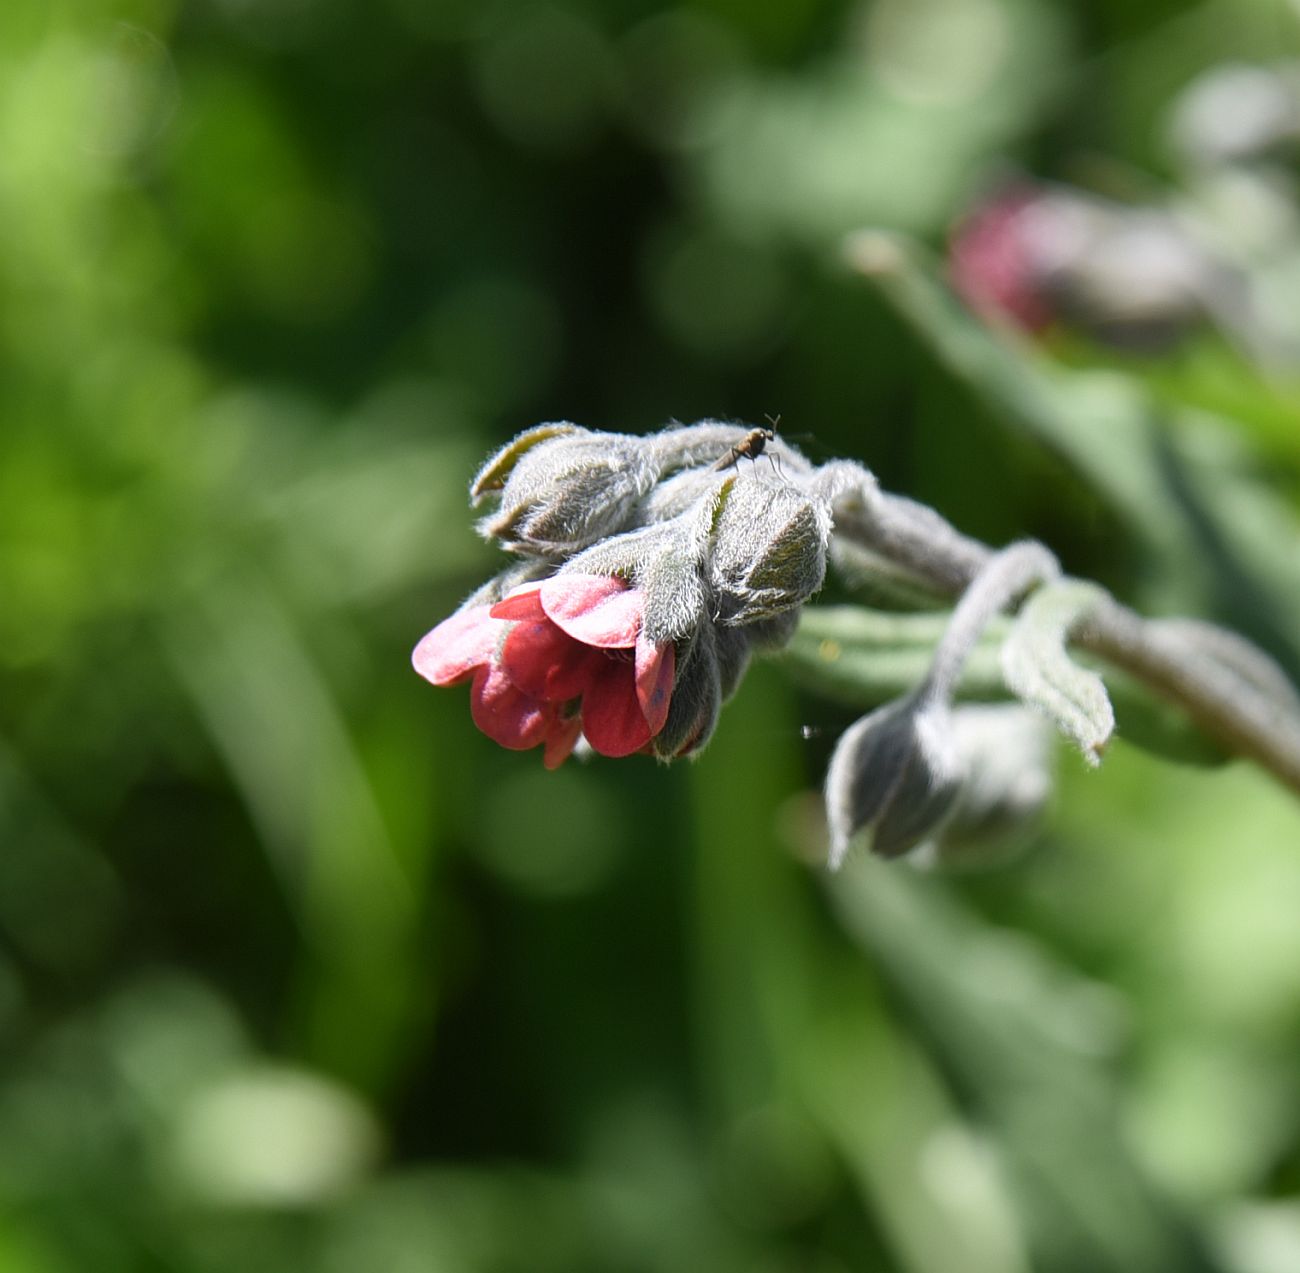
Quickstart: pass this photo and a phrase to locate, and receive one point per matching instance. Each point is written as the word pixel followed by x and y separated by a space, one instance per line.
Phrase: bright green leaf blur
pixel 298 971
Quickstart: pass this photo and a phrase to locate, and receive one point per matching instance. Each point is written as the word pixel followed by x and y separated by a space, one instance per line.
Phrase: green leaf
pixel 865 657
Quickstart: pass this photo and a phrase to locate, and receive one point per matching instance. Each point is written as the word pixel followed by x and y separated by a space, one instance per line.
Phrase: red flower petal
pixel 656 667
pixel 560 740
pixel 611 715
pixel 546 663
pixel 522 603
pixel 599 610
pixel 506 714
pixel 457 646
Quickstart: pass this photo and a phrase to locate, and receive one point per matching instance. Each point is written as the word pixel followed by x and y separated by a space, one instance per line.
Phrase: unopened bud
pixel 1006 754
pixel 769 553
pixel 696 702
pixel 563 488
pixel 895 776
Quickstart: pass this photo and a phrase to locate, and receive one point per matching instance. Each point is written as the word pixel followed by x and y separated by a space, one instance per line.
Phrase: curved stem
pixel 1003 579
pixel 1229 707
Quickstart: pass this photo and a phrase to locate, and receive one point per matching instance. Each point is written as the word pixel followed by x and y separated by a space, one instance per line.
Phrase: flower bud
pixel 563 488
pixel 1006 752
pixel 681 493
pixel 896 775
pixel 1132 277
pixel 498 467
pixel 707 675
pixel 769 550
pixel 696 702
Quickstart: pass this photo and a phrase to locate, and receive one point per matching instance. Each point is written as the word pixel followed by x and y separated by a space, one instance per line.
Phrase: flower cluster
pixel 647 570
pixel 650 569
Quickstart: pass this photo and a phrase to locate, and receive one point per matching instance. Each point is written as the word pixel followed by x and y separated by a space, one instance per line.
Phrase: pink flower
pixel 556 659
pixel 993 262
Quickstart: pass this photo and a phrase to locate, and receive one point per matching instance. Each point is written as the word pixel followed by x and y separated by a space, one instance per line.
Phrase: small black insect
pixel 751 446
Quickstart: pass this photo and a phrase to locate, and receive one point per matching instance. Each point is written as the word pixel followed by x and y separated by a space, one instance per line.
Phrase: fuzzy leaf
pixel 1040 672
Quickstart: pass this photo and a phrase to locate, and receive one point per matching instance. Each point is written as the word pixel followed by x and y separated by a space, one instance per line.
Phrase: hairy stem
pixel 1230 707
pixel 1221 702
pixel 1003 579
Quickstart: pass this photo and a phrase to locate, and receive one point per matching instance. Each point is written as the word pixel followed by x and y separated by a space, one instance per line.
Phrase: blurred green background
pixel 300 972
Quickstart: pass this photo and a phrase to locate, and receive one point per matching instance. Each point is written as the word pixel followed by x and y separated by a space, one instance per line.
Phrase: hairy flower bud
pixel 681 493
pixel 703 540
pixel 563 488
pixel 696 703
pixel 1006 754
pixel 895 775
pixel 769 551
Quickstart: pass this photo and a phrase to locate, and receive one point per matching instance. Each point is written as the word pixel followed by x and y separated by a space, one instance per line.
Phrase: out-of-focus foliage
pixel 299 972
